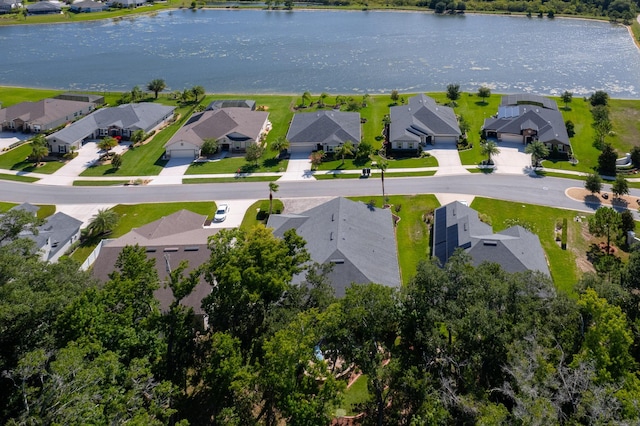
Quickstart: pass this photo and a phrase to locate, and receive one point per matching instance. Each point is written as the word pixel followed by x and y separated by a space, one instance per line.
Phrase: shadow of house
pixel 168 241
pixel 515 249
pixel 358 241
pixel 422 122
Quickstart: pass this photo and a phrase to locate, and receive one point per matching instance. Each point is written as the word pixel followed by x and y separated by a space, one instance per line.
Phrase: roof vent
pixel 332 218
pixel 192 248
pixel 337 261
pixel 171 249
pixel 330 236
pixel 150 250
pixel 490 243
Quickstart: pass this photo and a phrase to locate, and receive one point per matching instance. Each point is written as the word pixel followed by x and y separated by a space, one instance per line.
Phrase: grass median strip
pixel 374 176
pixel 231 179
pixel 18 178
pixel 99 182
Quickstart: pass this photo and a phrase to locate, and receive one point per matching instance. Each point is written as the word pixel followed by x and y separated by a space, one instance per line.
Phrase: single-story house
pixel 422 122
pixel 457 226
pixel 323 130
pixel 8 6
pixel 526 118
pixel 358 240
pixel 43 8
pixel 168 241
pixel 126 3
pixel 122 121
pixel 55 236
pixel 47 114
pixel 232 103
pixel 87 6
pixel 234 129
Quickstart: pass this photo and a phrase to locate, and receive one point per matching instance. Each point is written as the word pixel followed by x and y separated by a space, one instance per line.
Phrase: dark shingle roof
pixel 515 249
pixel 529 98
pixel 42 112
pixel 333 127
pixel 358 240
pixel 232 103
pixel 549 123
pixel 43 6
pixel 423 116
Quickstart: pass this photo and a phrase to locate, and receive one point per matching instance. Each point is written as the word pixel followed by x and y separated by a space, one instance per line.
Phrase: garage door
pixel 302 148
pixel 511 138
pixel 182 153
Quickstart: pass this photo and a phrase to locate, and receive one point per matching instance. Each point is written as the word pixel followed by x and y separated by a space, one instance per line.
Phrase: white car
pixel 221 213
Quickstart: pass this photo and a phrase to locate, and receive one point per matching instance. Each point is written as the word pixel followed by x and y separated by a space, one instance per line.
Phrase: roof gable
pixel 334 127
pixel 422 116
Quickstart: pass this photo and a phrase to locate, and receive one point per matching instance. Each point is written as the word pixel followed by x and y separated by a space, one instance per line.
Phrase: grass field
pixel 373 176
pixel 45 210
pixel 16 159
pixel 251 218
pixel 136 215
pixel 99 182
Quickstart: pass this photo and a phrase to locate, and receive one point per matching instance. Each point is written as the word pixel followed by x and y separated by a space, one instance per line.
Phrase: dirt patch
pixel 581 194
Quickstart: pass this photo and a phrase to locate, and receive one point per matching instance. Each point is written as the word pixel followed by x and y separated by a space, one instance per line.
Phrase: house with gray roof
pixel 8 6
pixel 170 240
pixel 87 6
pixel 82 97
pixel 422 122
pixel 323 130
pixel 526 118
pixel 232 103
pixel 47 114
pixel 457 226
pixel 358 240
pixel 55 236
pixel 234 128
pixel 126 3
pixel 122 121
pixel 43 8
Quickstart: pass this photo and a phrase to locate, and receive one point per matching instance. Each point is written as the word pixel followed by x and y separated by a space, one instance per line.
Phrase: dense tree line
pixel 458 345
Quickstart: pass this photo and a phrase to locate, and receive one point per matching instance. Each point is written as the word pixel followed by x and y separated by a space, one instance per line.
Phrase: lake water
pixel 255 51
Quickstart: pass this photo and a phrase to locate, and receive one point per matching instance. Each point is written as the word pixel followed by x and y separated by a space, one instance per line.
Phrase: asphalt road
pixel 546 191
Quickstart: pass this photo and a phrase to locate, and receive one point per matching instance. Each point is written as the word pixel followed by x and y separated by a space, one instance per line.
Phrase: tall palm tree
pixel 197 91
pixel 306 96
pixel 103 222
pixel 538 151
pixel 273 187
pixel 344 150
pixel 38 152
pixel 490 148
pixel 382 166
pixel 157 85
pixel 323 96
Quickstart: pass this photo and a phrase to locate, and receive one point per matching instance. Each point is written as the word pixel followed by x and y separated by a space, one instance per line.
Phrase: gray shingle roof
pixel 549 123
pixel 27 207
pixel 42 112
pixel 43 6
pixel 143 116
pixel 515 249
pixel 422 116
pixel 359 241
pixel 234 123
pixel 57 229
pixel 333 127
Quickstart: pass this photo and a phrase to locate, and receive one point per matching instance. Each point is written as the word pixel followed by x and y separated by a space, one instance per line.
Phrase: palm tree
pixel 273 187
pixel 103 222
pixel 323 96
pixel 490 148
pixel 382 166
pixel 344 150
pixel 38 152
pixel 136 94
pixel 538 151
pixel 280 145
pixel 197 91
pixel 316 158
pixel 107 143
pixel 157 85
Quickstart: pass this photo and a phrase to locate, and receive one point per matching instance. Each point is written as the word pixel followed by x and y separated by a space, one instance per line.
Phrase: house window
pixel 398 145
pixel 410 145
pixel 560 147
pixel 62 149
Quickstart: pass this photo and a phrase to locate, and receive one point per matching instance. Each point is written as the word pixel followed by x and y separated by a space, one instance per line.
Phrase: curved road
pixel 546 191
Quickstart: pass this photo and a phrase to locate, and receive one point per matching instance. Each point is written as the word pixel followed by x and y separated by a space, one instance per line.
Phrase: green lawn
pixel 45 211
pixel 145 160
pixel 4 176
pixel 4 206
pixel 396 163
pixel 412 233
pixel 14 95
pixel 232 164
pixel 136 215
pixel 232 179
pixel 562 262
pixel 373 176
pixel 358 393
pixel 255 213
pixel 99 182
pixel 16 159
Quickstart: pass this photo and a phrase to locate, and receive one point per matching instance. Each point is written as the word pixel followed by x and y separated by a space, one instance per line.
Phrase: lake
pixel 256 51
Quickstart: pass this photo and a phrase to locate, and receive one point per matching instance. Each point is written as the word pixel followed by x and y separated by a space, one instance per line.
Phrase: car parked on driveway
pixel 221 213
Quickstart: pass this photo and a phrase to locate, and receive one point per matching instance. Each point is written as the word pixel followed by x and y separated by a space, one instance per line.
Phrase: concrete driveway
pixel 237 209
pixel 299 167
pixel 512 159
pixel 8 138
pixel 448 160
